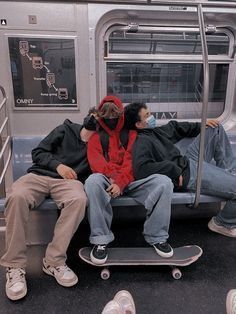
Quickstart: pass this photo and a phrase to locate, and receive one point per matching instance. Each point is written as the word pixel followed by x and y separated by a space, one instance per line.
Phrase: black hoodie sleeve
pixel 144 163
pixel 42 155
pixel 175 131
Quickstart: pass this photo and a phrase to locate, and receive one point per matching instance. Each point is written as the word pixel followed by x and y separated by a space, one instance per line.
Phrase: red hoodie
pixel 119 167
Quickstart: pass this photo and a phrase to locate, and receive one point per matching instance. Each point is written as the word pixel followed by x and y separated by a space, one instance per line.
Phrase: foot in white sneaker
pixel 125 299
pixel 231 302
pixel 63 274
pixel 112 307
pixel 215 227
pixel 16 287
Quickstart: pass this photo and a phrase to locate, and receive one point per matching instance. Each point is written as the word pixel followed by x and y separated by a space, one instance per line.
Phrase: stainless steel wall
pixel 84 22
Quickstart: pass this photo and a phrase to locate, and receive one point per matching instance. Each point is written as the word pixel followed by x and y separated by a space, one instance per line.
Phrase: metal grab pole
pixel 3 147
pixel 204 104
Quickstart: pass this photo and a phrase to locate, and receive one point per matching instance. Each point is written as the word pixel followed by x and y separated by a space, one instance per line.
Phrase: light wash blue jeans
pixel 154 192
pixel 218 179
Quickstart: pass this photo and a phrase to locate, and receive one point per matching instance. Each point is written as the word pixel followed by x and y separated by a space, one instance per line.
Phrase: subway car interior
pixel 60 58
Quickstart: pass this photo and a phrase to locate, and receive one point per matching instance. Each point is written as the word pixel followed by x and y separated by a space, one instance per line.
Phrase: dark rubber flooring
pixel 202 288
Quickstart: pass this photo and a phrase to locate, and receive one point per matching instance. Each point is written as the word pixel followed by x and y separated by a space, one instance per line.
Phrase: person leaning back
pixel 154 152
pixel 59 169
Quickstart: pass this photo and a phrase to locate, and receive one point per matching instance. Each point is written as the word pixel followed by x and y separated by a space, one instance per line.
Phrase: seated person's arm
pixel 180 130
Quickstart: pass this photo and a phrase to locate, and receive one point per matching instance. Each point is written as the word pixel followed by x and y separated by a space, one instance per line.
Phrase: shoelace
pixel 15 274
pixel 62 269
pixel 101 247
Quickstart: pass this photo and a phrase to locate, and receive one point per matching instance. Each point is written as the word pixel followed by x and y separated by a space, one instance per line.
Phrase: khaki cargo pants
pixel 25 194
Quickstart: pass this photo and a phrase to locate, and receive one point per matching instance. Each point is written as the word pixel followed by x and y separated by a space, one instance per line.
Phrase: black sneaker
pixel 99 254
pixel 163 249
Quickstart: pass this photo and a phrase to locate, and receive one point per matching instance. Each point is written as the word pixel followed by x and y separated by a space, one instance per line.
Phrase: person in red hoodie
pixel 110 159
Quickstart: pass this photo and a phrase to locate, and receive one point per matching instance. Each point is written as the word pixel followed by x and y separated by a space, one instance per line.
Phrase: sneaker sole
pixel 18 297
pixel 217 229
pixel 62 283
pixel 97 261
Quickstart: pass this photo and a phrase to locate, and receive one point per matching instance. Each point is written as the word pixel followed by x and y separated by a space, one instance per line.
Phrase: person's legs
pixel 70 197
pixel 26 193
pixel 99 215
pixel 218 182
pixel 155 193
pixel 217 147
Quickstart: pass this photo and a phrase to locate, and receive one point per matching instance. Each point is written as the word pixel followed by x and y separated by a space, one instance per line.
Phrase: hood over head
pixel 120 106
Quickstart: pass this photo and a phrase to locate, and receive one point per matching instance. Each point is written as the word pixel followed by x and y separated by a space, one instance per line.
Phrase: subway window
pixel 43 72
pixel 169 88
pixel 162 67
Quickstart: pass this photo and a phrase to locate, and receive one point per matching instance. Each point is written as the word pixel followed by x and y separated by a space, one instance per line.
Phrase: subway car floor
pixel 202 288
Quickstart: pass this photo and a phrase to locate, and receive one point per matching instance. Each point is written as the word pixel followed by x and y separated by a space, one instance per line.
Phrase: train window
pixel 162 66
pixel 168 43
pixel 170 90
pixel 43 72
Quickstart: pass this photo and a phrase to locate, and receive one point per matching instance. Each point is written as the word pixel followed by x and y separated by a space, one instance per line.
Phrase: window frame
pixel 163 58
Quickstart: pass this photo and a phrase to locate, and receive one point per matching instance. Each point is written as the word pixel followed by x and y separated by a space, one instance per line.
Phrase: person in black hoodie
pixel 59 169
pixel 154 151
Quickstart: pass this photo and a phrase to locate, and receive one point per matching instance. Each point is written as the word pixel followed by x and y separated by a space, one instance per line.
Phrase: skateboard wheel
pixel 105 274
pixel 176 273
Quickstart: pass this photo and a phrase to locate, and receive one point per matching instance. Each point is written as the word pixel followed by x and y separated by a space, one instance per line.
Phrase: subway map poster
pixel 43 72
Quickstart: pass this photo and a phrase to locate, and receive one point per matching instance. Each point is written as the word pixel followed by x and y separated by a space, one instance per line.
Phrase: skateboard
pixel 182 256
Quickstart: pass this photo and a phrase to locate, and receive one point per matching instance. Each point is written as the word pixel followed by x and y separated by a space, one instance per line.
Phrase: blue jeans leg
pixel 155 193
pixel 217 182
pixel 217 148
pixel 100 212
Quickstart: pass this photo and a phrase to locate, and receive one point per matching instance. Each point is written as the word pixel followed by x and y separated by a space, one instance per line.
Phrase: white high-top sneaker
pixel 63 274
pixel 16 287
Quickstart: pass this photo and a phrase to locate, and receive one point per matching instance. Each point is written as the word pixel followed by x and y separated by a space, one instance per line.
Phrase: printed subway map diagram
pixel 43 72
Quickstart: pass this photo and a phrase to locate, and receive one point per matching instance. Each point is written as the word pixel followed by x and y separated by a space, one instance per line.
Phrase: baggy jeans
pixel 218 179
pixel 28 192
pixel 154 192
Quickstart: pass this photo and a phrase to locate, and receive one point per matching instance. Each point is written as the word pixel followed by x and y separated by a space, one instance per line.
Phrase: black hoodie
pixel 62 146
pixel 154 151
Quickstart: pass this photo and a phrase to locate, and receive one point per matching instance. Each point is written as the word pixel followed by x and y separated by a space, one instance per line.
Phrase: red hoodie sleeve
pixel 125 175
pixel 97 162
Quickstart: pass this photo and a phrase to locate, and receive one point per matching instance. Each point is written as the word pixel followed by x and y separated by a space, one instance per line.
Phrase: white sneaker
pixel 16 287
pixel 112 307
pixel 213 226
pixel 63 274
pixel 231 302
pixel 125 300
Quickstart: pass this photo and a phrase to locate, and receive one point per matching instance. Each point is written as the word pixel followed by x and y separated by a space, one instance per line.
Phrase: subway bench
pixel 21 161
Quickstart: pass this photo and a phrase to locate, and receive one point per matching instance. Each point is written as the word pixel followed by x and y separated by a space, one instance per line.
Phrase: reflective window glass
pixel 171 90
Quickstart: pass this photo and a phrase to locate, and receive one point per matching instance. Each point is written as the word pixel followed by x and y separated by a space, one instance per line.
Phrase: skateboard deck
pixel 182 256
